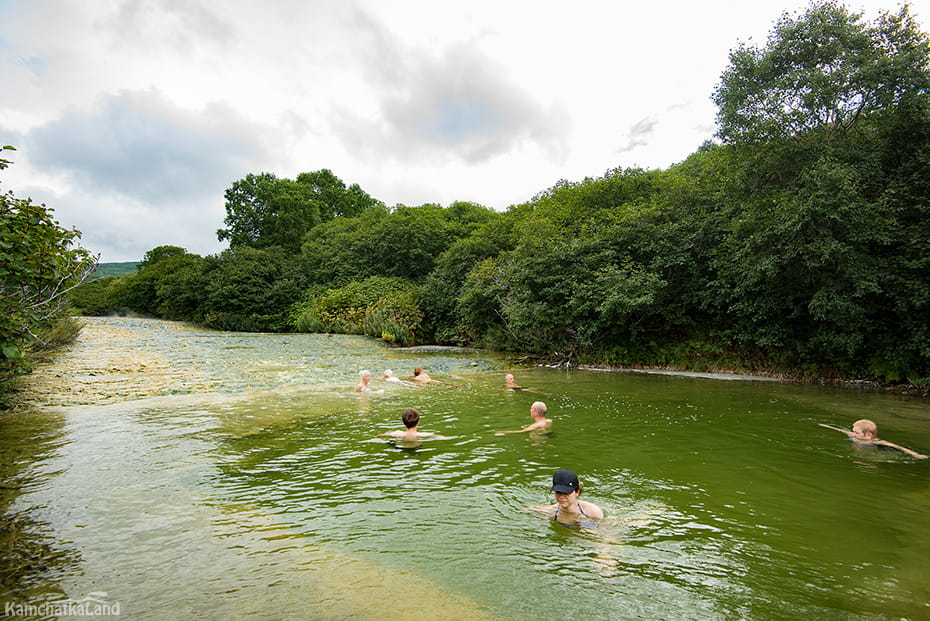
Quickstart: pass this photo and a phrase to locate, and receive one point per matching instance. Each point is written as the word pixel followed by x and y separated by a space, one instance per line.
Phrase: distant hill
pixel 115 269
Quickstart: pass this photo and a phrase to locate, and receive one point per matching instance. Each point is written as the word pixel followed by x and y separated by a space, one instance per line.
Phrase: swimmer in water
pixel 511 384
pixel 568 508
pixel 364 384
pixel 573 513
pixel 866 432
pixel 422 377
pixel 390 377
pixel 541 425
pixel 411 419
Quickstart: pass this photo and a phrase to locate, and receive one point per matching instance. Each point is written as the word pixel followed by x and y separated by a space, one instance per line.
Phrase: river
pixel 161 470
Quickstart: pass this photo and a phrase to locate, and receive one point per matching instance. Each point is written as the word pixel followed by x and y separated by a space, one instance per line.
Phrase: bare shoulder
pixel 591 509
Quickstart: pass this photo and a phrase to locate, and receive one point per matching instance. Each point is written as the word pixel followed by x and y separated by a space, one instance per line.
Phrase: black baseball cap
pixel 565 482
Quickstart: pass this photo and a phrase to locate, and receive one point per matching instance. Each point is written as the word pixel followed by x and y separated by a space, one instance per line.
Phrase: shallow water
pixel 184 472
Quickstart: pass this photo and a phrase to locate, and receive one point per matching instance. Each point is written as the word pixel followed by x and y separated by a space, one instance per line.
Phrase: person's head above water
pixel 565 482
pixel 538 409
pixel 411 418
pixel 388 373
pixel 865 429
pixel 567 489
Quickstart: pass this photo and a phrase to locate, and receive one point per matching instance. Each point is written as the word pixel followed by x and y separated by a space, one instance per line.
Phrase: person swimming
pixel 865 432
pixel 571 510
pixel 364 384
pixel 410 433
pixel 541 424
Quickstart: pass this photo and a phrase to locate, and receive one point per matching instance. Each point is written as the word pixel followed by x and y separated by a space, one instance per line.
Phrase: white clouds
pixel 131 117
pixel 457 105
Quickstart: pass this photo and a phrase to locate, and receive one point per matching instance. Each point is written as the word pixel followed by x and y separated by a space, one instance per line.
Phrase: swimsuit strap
pixel 577 504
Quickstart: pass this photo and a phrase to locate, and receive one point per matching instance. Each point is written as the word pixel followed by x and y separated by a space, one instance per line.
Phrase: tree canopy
pixel 822 71
pixel 264 210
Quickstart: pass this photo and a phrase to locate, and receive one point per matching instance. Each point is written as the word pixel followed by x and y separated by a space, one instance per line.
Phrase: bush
pixel 382 307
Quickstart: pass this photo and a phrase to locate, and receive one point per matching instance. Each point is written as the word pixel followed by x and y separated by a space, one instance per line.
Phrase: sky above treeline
pixel 131 118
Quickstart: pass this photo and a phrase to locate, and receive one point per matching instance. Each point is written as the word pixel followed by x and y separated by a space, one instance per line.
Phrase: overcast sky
pixel 131 118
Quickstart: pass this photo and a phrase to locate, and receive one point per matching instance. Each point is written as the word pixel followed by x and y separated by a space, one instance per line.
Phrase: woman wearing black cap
pixel 568 508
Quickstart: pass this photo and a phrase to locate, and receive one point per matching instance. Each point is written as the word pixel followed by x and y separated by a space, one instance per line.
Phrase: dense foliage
pixel 39 264
pixel 798 243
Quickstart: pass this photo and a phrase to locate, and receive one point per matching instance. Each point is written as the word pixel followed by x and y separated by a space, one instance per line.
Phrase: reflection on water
pixel 217 475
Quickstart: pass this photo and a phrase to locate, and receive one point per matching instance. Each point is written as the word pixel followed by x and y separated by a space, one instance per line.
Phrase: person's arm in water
pixel 907 451
pixel 848 433
pixel 541 425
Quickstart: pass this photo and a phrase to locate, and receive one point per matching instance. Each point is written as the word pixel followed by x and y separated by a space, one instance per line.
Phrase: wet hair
pixel 411 418
pixel 417 371
pixel 540 408
pixel 867 426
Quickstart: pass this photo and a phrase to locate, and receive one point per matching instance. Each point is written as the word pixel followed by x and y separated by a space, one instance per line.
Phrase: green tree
pixel 403 242
pixel 248 289
pixel 823 263
pixel 264 210
pixel 333 198
pixel 39 264
pixel 819 74
pixel 444 285
pixel 159 254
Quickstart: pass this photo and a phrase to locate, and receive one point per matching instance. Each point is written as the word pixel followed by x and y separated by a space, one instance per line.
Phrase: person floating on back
pixel 866 432
pixel 390 377
pixel 422 377
pixel 541 425
pixel 568 508
pixel 411 419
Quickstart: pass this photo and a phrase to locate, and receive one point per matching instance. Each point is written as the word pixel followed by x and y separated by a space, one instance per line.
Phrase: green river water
pixel 184 473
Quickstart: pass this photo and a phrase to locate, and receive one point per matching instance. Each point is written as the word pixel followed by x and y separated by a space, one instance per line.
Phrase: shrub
pixel 382 307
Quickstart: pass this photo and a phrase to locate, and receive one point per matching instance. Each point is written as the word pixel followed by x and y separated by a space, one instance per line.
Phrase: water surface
pixel 185 472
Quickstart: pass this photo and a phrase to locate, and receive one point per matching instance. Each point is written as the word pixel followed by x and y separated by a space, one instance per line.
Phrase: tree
pixel 264 211
pixel 820 73
pixel 825 257
pixel 334 199
pixel 39 263
pixel 248 289
pixel 159 254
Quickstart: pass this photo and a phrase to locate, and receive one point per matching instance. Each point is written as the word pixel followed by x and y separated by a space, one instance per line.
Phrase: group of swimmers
pixel 419 376
pixel 565 484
